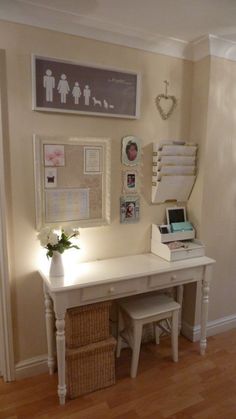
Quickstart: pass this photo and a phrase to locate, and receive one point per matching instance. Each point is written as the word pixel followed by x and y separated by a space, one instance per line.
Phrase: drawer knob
pixel 111 290
pixel 173 278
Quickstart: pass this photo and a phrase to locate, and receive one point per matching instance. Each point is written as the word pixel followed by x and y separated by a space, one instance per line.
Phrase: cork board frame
pixel 72 181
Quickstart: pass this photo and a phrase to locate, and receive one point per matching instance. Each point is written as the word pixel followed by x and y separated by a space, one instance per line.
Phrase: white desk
pixel 111 279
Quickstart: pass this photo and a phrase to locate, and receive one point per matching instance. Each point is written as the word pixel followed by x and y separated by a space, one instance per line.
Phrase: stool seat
pixel 136 312
pixel 148 306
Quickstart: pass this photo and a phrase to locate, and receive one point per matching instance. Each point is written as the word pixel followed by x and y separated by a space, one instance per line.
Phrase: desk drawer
pixel 110 291
pixel 176 277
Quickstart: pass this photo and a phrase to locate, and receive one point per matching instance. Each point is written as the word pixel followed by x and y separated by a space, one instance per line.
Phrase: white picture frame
pixel 175 215
pixel 131 150
pixel 129 209
pixel 68 86
pixel 130 181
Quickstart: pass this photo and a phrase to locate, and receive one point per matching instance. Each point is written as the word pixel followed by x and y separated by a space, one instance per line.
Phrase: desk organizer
pixel 87 324
pixel 195 249
pixel 174 171
pixel 159 244
pixel 171 237
pixel 90 368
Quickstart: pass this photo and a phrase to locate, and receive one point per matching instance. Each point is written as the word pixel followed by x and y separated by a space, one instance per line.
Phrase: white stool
pixel 134 313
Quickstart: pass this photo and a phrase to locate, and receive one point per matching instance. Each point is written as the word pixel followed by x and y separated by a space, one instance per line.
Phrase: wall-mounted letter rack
pixel 174 171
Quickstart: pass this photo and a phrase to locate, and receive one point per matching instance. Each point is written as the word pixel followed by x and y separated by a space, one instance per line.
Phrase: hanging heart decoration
pixel 173 102
pixel 168 100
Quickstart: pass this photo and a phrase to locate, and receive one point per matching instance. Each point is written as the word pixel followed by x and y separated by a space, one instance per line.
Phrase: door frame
pixel 6 333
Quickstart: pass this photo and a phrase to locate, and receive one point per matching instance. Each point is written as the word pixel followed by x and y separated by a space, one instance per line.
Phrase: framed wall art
pixel 72 181
pixel 130 181
pixel 129 209
pixel 131 150
pixel 68 86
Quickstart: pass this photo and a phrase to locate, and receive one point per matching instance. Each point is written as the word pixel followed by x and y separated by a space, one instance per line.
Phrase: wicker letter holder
pixel 90 352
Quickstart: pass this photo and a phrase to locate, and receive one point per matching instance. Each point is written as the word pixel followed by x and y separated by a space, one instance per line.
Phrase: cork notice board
pixel 72 181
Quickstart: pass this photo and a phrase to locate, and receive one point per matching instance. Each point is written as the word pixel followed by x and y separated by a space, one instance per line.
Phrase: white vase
pixel 56 267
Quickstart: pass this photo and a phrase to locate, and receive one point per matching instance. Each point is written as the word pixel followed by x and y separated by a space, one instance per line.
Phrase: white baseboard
pixel 31 366
pixel 38 365
pixel 213 327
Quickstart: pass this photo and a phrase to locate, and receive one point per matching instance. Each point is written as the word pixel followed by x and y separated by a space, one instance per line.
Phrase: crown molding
pixel 25 12
pixel 43 16
pixel 212 45
pixel 222 48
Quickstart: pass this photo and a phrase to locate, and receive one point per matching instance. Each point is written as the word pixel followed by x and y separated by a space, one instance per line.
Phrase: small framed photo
pixel 50 177
pixel 130 181
pixel 129 209
pixel 54 155
pixel 131 150
pixel 176 215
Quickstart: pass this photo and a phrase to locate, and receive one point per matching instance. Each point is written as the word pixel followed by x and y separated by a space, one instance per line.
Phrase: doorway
pixel 6 344
pixel 7 368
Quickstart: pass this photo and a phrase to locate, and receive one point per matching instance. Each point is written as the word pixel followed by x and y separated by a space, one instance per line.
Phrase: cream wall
pixel 205 114
pixel 213 201
pixel 219 191
pixel 198 134
pixel 20 42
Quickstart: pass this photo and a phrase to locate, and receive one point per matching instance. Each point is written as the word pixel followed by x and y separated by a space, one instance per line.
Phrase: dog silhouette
pixel 96 102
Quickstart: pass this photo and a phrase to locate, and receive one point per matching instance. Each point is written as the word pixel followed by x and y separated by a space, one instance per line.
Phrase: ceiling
pixel 127 21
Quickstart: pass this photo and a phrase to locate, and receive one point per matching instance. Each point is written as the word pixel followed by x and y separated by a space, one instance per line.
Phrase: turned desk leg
pixel 180 293
pixel 49 314
pixel 204 308
pixel 60 339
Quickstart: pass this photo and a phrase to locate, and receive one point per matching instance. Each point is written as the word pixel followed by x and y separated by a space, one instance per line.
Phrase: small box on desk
pixel 183 227
pixel 90 368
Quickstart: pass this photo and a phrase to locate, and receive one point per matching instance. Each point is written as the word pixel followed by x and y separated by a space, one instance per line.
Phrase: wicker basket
pixel 87 324
pixel 90 367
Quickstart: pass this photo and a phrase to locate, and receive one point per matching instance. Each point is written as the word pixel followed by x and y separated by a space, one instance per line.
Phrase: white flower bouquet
pixel 57 240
